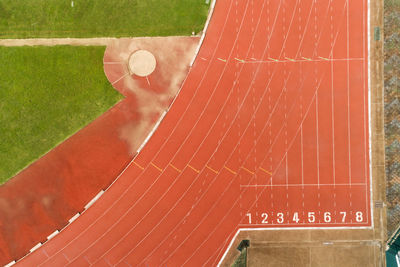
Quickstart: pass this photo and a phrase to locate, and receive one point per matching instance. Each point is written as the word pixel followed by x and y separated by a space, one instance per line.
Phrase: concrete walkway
pixel 56 41
pixel 66 41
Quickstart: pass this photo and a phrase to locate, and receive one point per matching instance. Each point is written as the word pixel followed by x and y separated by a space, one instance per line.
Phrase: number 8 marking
pixel 359 216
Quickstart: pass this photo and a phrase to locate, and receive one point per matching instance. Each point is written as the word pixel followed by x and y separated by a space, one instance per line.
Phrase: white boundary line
pixel 38 245
pixel 152 131
pixel 90 203
pixel 371 195
pixel 210 13
pixel 74 217
pixel 10 264
pixel 52 235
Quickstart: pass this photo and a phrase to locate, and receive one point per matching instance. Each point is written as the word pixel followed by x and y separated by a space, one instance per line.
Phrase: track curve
pixel 269 130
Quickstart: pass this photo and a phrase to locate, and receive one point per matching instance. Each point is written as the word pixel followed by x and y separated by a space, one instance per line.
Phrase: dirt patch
pixel 154 93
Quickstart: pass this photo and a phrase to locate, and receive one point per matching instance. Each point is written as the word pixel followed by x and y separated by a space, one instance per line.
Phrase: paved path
pixel 65 41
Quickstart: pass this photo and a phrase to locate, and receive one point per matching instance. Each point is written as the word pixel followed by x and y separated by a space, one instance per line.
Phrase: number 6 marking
pixel 327 217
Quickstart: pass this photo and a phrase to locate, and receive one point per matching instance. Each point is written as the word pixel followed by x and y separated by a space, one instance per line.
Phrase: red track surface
pixel 271 124
pixel 45 195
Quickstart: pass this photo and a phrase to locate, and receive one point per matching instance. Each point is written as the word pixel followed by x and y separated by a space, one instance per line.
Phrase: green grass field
pixel 98 18
pixel 46 95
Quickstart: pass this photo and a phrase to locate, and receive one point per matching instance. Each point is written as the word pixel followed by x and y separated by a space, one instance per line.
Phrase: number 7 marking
pixel 343 213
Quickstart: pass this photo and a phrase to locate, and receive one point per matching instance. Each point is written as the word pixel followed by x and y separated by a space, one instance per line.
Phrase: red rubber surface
pixel 44 196
pixel 271 123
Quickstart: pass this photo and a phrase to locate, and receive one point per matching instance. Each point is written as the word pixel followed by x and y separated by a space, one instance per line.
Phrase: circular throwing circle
pixel 142 63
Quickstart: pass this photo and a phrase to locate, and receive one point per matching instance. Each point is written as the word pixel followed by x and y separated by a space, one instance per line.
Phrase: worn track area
pixel 270 130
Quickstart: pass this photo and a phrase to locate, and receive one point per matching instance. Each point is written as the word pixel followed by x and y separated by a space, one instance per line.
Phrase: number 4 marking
pixel 296 217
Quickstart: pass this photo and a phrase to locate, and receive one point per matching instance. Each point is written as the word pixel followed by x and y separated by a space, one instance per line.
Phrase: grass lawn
pixel 97 18
pixel 46 95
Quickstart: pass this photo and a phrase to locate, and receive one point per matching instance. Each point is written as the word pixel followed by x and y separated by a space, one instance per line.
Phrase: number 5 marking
pixel 311 217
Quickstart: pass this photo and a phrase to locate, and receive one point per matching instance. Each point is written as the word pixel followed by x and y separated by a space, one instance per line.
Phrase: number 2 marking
pixel 265 218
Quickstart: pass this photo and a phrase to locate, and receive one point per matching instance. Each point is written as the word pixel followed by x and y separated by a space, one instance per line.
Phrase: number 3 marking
pixel 280 217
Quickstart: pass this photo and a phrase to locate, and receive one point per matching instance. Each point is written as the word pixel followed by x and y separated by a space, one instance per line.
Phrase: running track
pixel 270 130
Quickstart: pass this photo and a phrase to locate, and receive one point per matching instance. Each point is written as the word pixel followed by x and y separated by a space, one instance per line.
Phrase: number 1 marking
pixel 249 215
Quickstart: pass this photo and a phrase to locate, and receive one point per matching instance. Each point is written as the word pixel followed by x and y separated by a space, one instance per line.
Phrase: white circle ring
pixel 142 63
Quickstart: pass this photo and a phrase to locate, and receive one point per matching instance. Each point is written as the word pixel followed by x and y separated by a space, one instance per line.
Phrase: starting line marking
pixel 155 166
pixel 196 170
pixel 138 165
pixel 264 170
pixel 214 171
pixel 252 173
pixel 232 171
pixel 178 170
pixel 240 60
pixel 289 59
